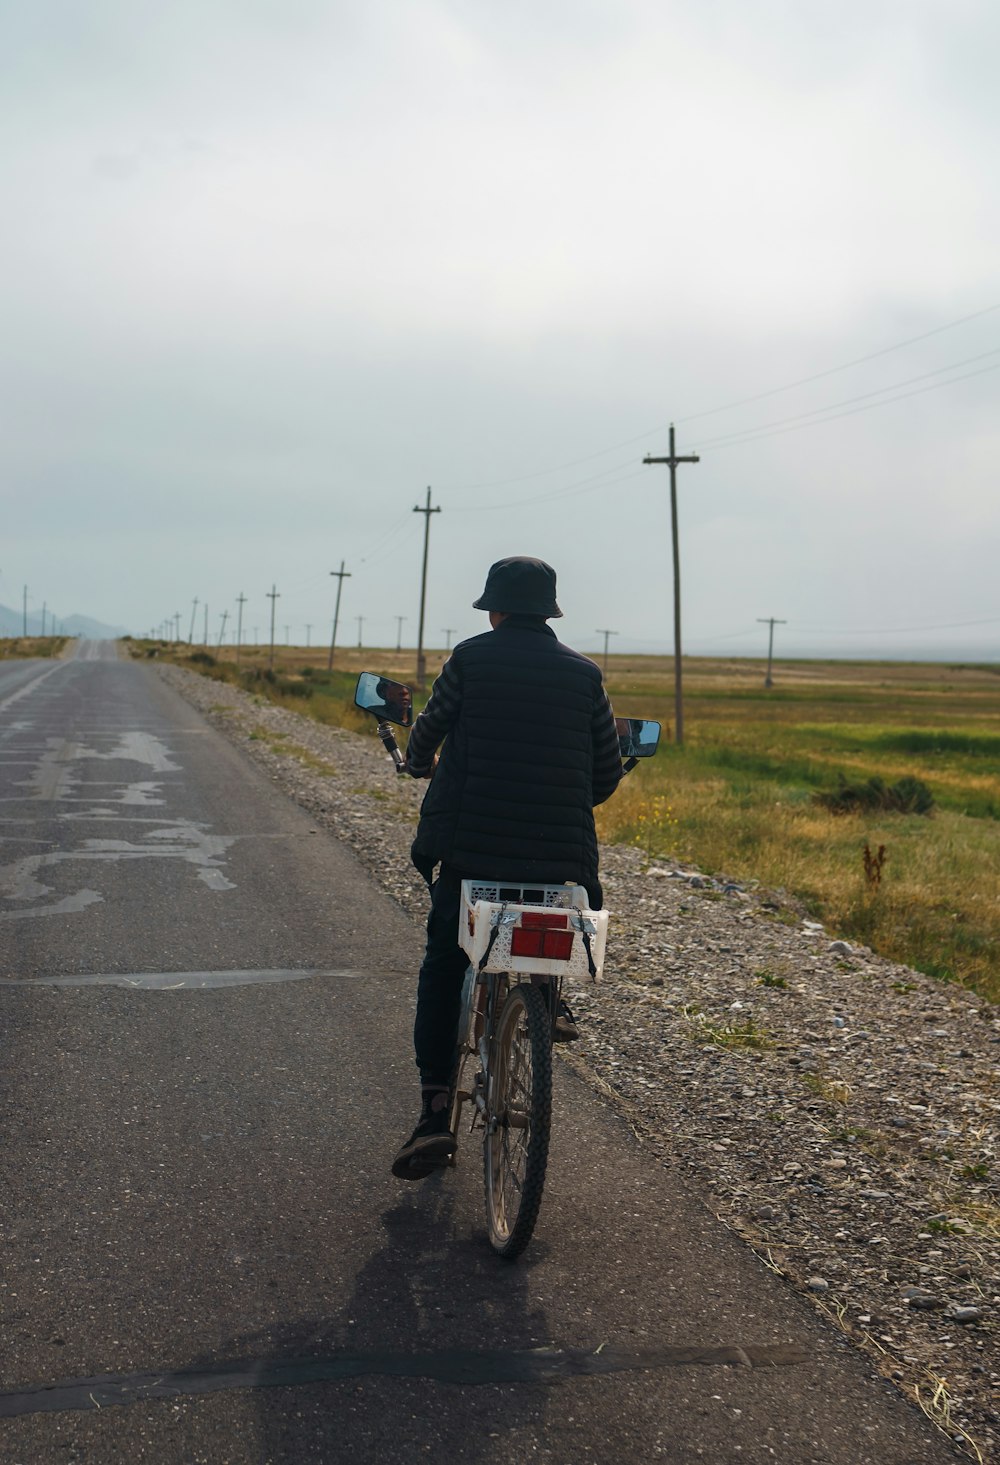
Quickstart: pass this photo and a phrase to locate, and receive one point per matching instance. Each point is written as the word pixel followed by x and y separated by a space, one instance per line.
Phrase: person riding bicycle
pixel 530 747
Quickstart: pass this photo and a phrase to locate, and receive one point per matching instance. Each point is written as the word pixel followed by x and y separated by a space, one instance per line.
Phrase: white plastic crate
pixel 489 903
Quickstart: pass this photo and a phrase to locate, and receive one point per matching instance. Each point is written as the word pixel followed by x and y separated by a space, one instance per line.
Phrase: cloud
pixel 269 271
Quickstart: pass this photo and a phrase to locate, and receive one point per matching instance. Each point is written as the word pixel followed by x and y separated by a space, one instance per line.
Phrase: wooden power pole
pixel 427 511
pixel 771 621
pixel 273 595
pixel 341 575
pixel 671 461
pixel 240 601
pixel 607 636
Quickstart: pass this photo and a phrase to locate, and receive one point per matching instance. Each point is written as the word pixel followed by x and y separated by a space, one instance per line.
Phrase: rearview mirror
pixel 637 737
pixel 389 701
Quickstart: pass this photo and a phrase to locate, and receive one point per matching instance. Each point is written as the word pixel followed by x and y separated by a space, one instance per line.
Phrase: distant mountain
pixel 12 624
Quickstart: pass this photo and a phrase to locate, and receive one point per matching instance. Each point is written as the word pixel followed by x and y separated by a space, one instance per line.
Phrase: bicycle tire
pixel 515 1155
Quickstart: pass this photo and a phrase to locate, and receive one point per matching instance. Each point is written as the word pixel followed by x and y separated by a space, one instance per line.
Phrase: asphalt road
pixel 205 1068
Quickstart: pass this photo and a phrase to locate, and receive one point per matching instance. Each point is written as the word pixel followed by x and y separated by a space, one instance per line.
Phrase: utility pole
pixel 194 607
pixel 360 620
pixel 25 617
pixel 239 625
pixel 672 460
pixel 204 639
pixel 771 621
pixel 272 596
pixel 308 634
pixel 427 512
pixel 399 632
pixel 447 636
pixel 45 606
pixel 222 631
pixel 607 635
pixel 177 624
pixel 341 575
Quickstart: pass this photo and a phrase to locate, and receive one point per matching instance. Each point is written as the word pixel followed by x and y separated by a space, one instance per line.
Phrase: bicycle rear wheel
pixel 518 1120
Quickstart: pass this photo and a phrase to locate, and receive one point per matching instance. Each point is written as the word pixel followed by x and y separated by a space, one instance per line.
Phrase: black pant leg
pixel 439 987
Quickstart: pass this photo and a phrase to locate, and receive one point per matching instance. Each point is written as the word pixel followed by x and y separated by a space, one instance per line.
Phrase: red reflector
pixel 526 943
pixel 553 945
pixel 552 920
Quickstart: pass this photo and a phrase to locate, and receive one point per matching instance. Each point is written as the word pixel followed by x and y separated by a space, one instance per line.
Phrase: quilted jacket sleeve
pixel 607 754
pixel 436 721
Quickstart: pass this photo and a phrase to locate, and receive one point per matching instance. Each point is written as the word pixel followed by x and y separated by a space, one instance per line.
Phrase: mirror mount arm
pixel 629 764
pixel 388 737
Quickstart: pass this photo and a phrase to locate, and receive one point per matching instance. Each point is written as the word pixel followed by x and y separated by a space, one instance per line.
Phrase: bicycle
pixel 521 940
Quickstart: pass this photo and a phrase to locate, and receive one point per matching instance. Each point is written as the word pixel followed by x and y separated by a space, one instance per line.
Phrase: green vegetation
pixel 868 791
pixel 739 1036
pixel 907 796
pixel 913 872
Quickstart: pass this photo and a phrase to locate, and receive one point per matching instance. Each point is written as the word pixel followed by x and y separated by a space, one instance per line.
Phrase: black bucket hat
pixel 520 585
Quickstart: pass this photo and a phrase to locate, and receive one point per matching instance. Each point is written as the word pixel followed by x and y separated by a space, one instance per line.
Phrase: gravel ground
pixel 840 1110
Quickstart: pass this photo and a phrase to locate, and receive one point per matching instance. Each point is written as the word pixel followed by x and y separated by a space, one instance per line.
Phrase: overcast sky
pixel 272 267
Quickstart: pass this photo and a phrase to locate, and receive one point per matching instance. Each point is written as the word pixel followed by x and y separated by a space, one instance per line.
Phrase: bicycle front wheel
pixel 518 1120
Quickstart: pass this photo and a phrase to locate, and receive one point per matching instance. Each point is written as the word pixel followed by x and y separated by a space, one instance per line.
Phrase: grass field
pixel 21 646
pixel 740 796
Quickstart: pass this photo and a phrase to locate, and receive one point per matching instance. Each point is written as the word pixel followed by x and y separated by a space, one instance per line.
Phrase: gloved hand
pixel 424 773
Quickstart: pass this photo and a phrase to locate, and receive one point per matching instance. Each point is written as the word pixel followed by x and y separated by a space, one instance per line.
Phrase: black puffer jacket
pixel 530 747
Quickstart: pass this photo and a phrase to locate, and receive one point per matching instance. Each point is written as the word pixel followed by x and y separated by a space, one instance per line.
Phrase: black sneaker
pixel 564 1029
pixel 429 1147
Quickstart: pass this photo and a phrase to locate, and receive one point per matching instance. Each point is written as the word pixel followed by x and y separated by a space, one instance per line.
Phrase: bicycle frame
pixel 483 995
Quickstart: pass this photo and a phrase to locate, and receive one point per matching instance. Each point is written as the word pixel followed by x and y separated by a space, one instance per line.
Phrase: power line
pixel 823 631
pixel 759 436
pixel 385 538
pixel 740 402
pixel 832 370
pixel 849 401
pixel 899 630
pixel 586 485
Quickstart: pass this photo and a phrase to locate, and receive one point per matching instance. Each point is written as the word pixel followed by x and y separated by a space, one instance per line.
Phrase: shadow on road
pixel 432 1295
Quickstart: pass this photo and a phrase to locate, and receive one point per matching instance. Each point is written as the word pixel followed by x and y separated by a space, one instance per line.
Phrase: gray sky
pixel 269 270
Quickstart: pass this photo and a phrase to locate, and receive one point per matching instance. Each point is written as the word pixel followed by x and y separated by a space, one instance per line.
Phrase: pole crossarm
pixel 673 461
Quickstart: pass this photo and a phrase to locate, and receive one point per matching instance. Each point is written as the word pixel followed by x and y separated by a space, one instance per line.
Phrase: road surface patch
pixel 454 1366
